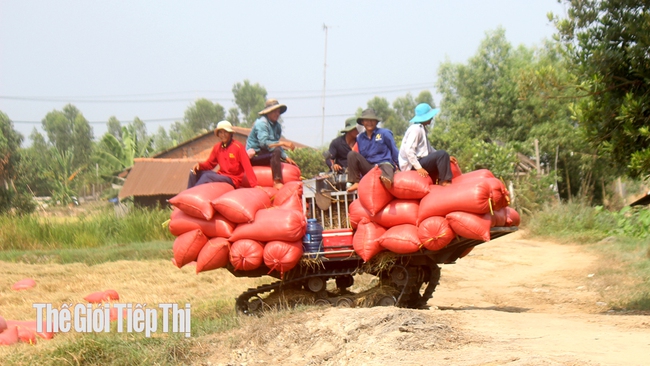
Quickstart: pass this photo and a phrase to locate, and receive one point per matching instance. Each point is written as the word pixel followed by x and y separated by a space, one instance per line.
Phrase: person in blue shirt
pixel 263 143
pixel 376 147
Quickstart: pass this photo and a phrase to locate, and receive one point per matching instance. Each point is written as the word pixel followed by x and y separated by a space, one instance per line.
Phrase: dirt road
pixel 510 302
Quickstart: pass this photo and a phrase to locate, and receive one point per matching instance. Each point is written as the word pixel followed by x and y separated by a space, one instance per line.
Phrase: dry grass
pixel 152 282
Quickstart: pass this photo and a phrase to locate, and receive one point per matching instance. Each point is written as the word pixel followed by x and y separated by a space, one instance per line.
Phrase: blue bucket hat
pixel 423 113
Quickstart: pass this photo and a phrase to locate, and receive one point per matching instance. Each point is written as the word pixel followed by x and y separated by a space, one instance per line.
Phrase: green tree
pixel 607 42
pixel 114 155
pixel 204 115
pixel 68 130
pixel 114 127
pixel 250 99
pixel 233 116
pixel 162 141
pixel 12 193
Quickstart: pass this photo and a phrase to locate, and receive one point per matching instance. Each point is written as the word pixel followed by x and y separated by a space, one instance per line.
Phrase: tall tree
pixel 608 42
pixel 233 116
pixel 138 129
pixel 250 99
pixel 204 115
pixel 114 127
pixel 161 140
pixel 68 130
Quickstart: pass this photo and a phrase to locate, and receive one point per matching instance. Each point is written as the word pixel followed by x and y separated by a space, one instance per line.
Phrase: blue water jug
pixel 313 239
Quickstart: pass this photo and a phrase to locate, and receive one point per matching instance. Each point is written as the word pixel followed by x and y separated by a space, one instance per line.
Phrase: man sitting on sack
pixel 376 147
pixel 416 153
pixel 231 157
pixel 337 158
pixel 264 141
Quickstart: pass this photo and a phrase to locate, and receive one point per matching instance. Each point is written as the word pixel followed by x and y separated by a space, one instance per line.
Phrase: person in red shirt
pixel 231 157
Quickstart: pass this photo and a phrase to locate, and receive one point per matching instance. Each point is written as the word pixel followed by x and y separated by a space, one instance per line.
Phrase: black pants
pixel 270 158
pixel 437 165
pixel 358 165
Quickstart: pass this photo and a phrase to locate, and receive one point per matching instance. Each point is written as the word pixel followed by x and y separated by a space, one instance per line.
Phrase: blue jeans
pixel 207 176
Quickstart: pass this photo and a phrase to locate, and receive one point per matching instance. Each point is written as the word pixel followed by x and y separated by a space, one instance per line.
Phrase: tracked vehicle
pixel 404 280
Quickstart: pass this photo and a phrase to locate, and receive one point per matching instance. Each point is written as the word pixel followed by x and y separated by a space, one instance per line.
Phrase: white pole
pixel 322 128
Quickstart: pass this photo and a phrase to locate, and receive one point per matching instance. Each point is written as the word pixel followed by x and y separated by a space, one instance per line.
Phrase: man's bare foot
pixel 386 182
pixel 446 183
pixel 353 187
pixel 278 185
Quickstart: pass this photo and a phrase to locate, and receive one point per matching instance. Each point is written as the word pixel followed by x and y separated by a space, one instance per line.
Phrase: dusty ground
pixel 510 302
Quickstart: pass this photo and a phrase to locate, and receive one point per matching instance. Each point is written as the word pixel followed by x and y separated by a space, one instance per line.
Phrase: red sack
pixel 246 254
pixel 365 242
pixel 469 225
pixel 372 193
pixel 455 170
pixel 26 335
pixel 213 255
pixel 24 284
pixel 287 191
pixel 499 218
pixel 401 239
pixel 114 315
pixel 270 191
pixel 97 297
pixel 273 224
pixel 112 294
pixel 398 212
pixel 218 226
pixel 500 195
pixel 471 197
pixel 435 233
pixel 292 203
pixel 195 201
pixel 187 247
pixel 512 217
pixel 356 212
pixel 473 175
pixel 31 325
pixel 240 205
pixel 3 324
pixel 282 256
pixel 9 336
pixel 410 185
pixel 290 173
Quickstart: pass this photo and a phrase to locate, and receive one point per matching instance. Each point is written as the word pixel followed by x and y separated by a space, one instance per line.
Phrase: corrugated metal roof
pixel 153 177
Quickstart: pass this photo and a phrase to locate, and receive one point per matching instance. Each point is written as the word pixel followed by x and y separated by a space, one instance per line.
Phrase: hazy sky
pixel 153 59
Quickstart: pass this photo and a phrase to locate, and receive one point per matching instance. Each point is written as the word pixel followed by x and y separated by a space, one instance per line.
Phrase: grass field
pixel 141 271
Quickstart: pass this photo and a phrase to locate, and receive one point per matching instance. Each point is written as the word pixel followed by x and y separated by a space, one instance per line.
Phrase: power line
pixel 97 99
pixel 179 119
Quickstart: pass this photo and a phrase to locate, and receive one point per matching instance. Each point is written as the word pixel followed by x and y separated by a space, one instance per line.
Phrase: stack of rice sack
pixel 416 214
pixel 216 224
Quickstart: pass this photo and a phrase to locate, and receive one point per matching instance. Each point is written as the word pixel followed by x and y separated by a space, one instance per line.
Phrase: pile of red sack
pixel 216 224
pixel 416 214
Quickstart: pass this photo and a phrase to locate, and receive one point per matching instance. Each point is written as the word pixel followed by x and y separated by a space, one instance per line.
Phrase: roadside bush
pixel 310 161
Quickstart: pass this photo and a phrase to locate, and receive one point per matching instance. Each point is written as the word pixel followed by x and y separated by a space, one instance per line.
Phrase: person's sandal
pixel 386 182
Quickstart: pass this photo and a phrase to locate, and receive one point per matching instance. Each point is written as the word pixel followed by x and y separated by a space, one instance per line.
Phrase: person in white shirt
pixel 416 152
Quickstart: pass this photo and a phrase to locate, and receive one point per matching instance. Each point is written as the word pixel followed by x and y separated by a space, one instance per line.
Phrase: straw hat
pixel 271 105
pixel 423 113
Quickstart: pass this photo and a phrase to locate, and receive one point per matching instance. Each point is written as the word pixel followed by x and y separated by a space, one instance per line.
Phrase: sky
pixel 154 59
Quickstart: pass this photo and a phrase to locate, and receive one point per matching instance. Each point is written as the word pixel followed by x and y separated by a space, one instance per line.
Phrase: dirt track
pixel 510 302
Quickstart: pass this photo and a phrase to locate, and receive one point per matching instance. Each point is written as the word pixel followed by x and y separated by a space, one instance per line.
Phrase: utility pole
pixel 322 128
